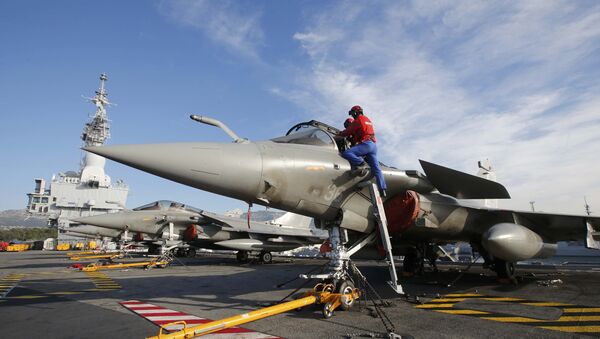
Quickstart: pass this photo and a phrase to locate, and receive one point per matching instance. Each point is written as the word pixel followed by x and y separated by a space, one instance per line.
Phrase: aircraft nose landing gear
pixel 346 287
pixel 242 257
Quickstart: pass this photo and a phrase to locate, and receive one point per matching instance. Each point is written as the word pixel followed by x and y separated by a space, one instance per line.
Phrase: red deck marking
pixel 159 315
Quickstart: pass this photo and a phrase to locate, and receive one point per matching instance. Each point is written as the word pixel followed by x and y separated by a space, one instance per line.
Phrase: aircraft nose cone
pixel 102 220
pixel 232 170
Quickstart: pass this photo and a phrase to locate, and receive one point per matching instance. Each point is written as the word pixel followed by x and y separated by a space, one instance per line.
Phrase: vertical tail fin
pixel 487 172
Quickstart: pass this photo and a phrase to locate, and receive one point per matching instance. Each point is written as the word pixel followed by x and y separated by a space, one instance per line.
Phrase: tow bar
pixel 99 256
pixel 321 294
pixel 145 264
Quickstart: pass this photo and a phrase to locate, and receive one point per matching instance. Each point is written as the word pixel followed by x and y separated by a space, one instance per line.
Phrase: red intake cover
pixel 401 212
pixel 325 247
pixel 190 233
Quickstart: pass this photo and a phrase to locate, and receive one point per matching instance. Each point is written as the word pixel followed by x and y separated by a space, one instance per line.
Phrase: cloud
pixel 225 22
pixel 454 83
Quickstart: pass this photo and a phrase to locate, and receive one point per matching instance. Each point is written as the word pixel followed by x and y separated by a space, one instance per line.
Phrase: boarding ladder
pixel 167 255
pixel 380 218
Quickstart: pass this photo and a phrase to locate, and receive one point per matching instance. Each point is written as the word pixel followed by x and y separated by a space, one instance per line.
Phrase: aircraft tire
pixel 327 312
pixel 265 257
pixel 345 287
pixel 153 249
pixel 504 269
pixel 242 256
pixel 409 265
pixel 191 253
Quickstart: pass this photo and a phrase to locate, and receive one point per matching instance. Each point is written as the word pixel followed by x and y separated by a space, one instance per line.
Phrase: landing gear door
pixel 592 239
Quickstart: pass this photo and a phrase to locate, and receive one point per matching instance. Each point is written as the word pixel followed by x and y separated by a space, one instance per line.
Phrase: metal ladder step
pixel 379 214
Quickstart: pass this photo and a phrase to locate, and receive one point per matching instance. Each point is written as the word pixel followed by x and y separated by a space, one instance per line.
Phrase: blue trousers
pixel 368 150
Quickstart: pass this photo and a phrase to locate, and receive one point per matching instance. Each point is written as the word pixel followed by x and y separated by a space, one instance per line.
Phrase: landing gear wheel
pixel 504 269
pixel 190 253
pixel 409 265
pixel 327 312
pixel 265 257
pixel 153 249
pixel 345 287
pixel 242 256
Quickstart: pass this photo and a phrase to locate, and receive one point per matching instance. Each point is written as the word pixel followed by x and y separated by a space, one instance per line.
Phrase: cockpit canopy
pixel 312 133
pixel 167 205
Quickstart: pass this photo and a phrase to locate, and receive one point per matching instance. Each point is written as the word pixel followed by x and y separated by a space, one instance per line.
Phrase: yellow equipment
pixel 99 256
pixel 17 247
pixel 145 264
pixel 320 294
pixel 63 247
pixel 79 253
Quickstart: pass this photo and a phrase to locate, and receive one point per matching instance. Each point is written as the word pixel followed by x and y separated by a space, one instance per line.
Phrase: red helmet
pixel 355 110
pixel 348 122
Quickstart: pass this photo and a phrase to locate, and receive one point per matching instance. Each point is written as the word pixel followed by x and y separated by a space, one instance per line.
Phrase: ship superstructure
pixel 86 192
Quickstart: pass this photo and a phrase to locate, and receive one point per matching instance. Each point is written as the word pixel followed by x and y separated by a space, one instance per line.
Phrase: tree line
pixel 28 234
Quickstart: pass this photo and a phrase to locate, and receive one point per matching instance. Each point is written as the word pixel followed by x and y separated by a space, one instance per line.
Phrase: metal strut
pixel 339 256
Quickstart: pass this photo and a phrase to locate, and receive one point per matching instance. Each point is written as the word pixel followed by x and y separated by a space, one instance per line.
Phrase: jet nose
pixel 232 170
pixel 101 220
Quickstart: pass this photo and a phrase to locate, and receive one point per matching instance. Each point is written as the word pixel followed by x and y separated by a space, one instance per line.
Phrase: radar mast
pixel 95 133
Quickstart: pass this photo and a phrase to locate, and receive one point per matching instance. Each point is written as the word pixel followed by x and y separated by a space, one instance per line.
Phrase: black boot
pixel 359 170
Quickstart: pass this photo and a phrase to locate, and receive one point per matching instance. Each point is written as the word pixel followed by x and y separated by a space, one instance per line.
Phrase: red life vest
pixel 361 130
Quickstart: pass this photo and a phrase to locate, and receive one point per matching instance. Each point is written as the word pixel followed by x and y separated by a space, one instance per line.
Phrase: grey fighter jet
pixel 174 223
pixel 303 172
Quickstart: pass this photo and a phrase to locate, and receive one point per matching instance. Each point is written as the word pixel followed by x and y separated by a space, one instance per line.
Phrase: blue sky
pixel 449 82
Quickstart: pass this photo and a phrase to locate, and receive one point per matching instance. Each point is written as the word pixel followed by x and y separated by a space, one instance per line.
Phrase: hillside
pixel 20 218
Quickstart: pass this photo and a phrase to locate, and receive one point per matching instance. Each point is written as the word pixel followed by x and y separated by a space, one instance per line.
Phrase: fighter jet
pixel 175 223
pixel 303 172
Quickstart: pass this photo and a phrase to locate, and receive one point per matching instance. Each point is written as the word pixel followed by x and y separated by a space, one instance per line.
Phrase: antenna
pixel 532 203
pixel 587 207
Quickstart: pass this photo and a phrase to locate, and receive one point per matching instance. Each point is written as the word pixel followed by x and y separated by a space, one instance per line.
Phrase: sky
pixel 450 82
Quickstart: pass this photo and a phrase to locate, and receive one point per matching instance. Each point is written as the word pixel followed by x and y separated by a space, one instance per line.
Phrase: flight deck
pixel 41 296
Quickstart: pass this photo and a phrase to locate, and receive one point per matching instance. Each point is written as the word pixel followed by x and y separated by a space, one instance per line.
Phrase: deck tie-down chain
pixel 376 300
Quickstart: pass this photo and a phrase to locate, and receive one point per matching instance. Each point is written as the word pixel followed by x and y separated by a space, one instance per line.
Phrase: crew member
pixel 350 138
pixel 361 130
pixel 348 122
